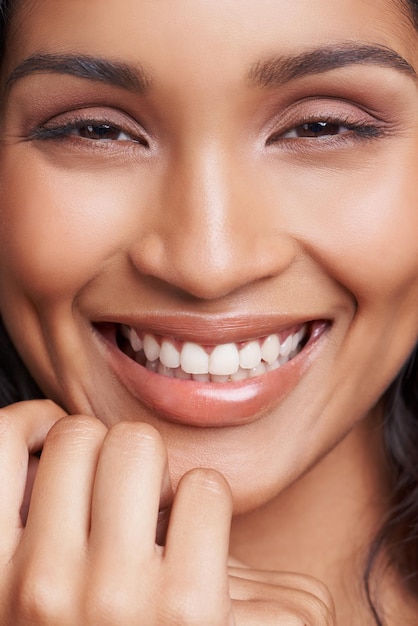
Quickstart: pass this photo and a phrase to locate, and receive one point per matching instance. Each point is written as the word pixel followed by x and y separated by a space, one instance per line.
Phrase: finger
pixel 199 533
pixel 285 580
pixel 49 564
pixel 132 485
pixel 23 428
pixel 273 604
pixel 59 514
pixel 272 614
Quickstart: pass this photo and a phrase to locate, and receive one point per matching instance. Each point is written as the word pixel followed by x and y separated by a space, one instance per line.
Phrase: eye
pixel 86 131
pixel 100 132
pixel 331 130
pixel 316 129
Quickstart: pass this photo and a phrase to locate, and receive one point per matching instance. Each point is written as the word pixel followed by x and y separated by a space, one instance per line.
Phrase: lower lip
pixel 210 405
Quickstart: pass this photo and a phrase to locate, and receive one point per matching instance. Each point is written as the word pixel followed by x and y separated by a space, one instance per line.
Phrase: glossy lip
pixel 214 405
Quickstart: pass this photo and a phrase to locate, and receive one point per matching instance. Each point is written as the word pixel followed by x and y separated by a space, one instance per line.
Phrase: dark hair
pixel 398 536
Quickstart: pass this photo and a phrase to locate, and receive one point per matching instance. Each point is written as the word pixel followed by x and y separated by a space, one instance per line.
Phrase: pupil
pixel 102 131
pixel 318 129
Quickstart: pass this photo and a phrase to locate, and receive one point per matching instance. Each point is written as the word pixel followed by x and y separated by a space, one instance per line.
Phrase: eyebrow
pixel 277 70
pixel 272 72
pixel 84 66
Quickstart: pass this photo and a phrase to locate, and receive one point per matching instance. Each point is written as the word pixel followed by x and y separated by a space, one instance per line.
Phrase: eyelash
pixel 352 132
pixel 66 131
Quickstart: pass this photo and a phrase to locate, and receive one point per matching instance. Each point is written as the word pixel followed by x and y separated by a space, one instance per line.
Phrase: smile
pixel 222 363
pixel 186 378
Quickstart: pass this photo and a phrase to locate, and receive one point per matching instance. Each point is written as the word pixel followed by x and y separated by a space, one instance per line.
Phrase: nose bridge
pixel 202 200
pixel 214 234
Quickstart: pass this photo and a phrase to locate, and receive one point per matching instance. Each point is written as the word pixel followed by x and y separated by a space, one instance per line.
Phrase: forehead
pixel 207 37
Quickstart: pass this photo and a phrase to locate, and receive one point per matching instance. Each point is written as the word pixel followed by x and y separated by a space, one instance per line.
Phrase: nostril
pixel 210 256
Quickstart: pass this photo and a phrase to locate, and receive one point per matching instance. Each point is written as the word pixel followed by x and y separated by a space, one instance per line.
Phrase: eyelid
pixel 368 128
pixel 323 109
pixel 96 116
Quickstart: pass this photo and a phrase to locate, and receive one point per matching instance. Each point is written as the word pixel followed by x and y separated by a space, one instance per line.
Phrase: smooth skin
pixel 207 203
pixel 88 555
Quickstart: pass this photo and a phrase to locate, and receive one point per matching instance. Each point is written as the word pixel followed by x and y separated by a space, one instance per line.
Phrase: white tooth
pixel 224 360
pixel 165 371
pixel 257 371
pixel 270 349
pixel 126 331
pixel 152 365
pixel 201 378
pixel 169 355
pixel 286 347
pixel 219 379
pixel 194 359
pixel 241 374
pixel 250 355
pixel 179 373
pixel 136 342
pixel 151 348
pixel 273 366
pixel 295 342
pixel 283 360
pixel 302 332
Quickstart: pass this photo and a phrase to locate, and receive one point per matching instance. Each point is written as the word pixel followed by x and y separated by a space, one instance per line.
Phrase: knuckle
pixel 105 604
pixel 317 613
pixel 314 601
pixel 322 604
pixel 40 600
pixel 188 608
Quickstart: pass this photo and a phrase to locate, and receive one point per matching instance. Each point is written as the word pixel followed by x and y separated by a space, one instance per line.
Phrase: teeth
pixel 181 374
pixel 270 349
pixel 169 355
pixel 151 348
pixel 152 365
pixel 194 359
pixel 295 342
pixel 224 360
pixel 302 333
pixel 136 342
pixel 201 378
pixel 241 374
pixel 260 369
pixel 286 347
pixel 250 355
pixel 165 371
pixel 126 331
pixel 219 379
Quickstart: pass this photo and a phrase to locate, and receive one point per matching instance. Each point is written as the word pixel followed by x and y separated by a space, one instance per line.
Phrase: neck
pixel 324 523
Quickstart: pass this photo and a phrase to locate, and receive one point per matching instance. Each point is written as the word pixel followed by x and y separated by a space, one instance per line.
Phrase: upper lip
pixel 213 329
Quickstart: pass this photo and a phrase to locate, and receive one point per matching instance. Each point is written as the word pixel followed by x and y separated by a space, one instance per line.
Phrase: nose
pixel 213 230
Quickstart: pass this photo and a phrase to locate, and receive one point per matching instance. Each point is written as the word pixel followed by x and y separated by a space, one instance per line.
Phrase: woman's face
pixel 213 174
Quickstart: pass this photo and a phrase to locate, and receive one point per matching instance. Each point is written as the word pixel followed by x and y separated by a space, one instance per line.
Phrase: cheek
pixel 362 230
pixel 59 228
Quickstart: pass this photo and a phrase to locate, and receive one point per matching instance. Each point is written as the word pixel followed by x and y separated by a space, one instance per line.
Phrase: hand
pixel 278 599
pixel 88 552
